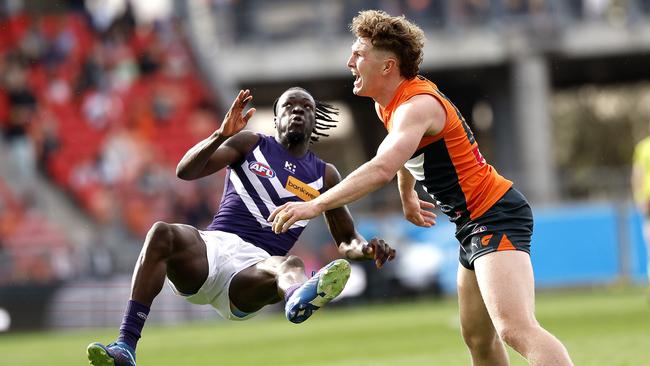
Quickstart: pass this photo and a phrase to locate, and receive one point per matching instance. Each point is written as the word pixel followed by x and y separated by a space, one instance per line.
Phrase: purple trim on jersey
pixel 246 215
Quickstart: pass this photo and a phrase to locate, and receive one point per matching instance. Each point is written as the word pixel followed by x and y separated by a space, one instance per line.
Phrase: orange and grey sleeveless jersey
pixel 449 165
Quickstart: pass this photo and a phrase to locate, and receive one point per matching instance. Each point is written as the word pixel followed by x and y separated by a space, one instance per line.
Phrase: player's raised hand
pixel 235 121
pixel 379 251
pixel 417 211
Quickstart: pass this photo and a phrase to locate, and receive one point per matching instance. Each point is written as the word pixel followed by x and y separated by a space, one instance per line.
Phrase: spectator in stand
pixel 22 104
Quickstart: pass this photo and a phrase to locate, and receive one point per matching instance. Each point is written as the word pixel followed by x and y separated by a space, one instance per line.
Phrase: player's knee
pixel 516 335
pixel 480 341
pixel 160 237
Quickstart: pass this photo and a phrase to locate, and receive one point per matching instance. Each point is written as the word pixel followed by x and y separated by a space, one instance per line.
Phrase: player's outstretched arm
pixel 350 243
pixel 421 114
pixel 226 145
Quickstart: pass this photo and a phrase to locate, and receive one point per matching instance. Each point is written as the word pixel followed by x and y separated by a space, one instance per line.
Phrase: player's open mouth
pixel 296 122
pixel 357 78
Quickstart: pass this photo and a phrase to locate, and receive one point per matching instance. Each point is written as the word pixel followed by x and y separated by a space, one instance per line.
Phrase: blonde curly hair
pixel 395 34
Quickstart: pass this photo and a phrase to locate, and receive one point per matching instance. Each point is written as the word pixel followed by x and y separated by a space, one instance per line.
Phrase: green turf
pixel 600 327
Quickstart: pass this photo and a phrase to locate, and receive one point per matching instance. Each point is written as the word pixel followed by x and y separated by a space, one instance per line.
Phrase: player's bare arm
pixel 415 209
pixel 411 121
pixel 226 145
pixel 421 116
pixel 350 243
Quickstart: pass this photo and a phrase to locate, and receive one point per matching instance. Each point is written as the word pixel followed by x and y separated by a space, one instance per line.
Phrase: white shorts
pixel 227 255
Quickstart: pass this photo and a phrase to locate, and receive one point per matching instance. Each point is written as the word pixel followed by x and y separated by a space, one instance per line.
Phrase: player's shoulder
pixel 424 101
pixel 332 175
pixel 244 140
pixel 250 135
pixel 422 94
pixel 422 107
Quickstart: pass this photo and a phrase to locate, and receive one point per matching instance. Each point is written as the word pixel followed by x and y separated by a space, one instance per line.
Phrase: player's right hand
pixel 379 251
pixel 416 210
pixel 235 121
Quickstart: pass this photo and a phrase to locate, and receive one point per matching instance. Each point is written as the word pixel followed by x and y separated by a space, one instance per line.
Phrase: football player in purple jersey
pixel 238 264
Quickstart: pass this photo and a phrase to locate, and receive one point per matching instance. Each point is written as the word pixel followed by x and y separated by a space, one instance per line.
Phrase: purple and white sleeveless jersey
pixel 267 178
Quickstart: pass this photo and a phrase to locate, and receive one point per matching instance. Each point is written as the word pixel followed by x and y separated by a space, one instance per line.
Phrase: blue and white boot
pixel 115 354
pixel 322 288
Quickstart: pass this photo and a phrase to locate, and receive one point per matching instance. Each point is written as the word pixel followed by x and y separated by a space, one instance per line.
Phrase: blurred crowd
pixel 259 20
pixel 104 108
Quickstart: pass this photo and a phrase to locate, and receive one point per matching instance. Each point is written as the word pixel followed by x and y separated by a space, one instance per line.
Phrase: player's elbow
pixel 183 174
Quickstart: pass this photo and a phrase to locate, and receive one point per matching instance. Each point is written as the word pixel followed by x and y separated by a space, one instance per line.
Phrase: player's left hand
pixel 378 250
pixel 288 214
pixel 417 211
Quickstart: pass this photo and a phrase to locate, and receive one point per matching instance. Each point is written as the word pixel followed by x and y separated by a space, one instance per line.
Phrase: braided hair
pixel 325 114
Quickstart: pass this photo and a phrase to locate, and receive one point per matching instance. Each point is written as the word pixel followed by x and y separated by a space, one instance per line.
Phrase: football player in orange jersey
pixel 429 142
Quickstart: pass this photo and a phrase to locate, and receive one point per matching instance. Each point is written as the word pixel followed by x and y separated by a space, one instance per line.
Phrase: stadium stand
pixel 103 113
pixel 32 249
pixel 110 111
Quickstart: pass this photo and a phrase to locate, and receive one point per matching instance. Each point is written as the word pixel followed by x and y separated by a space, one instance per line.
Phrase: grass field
pixel 607 327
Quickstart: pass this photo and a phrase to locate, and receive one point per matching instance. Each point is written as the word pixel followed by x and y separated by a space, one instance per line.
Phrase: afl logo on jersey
pixel 261 169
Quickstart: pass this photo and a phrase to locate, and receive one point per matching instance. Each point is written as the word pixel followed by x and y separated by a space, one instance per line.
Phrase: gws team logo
pixel 261 169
